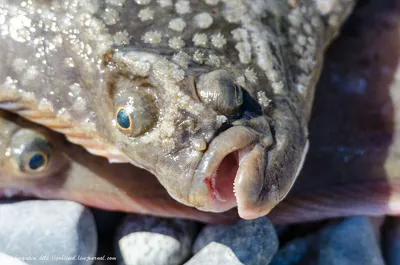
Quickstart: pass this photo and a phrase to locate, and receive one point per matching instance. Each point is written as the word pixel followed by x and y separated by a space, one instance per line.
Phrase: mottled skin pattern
pixel 230 77
pixel 352 167
pixel 73 174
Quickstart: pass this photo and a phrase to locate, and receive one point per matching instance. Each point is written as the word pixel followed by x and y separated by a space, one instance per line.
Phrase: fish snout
pixel 250 166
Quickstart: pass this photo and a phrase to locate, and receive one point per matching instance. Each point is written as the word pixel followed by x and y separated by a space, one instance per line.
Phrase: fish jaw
pixel 249 167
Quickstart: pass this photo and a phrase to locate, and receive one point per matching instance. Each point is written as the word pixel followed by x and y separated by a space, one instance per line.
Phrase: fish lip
pixel 203 193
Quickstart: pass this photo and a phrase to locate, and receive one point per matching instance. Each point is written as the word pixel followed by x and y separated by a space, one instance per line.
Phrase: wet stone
pixel 253 242
pixel 214 254
pixel 47 232
pixel 154 241
pixel 347 242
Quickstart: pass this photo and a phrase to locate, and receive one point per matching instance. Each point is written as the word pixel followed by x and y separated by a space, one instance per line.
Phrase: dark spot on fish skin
pixel 250 107
pixel 108 57
pixel 264 192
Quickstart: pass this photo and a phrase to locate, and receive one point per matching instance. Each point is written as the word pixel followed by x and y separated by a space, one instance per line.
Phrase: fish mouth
pixel 231 173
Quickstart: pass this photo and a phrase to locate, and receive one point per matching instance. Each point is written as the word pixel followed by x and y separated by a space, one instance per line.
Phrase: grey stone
pixel 347 242
pixel 48 232
pixel 8 260
pixel 154 241
pixel 214 254
pixel 391 235
pixel 253 242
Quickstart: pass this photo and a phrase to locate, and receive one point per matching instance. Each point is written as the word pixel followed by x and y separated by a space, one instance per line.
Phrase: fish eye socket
pixel 36 162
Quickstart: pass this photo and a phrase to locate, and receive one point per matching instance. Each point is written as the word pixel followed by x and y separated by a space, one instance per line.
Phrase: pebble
pixel 214 254
pixel 253 242
pixel 391 242
pixel 55 229
pixel 347 242
pixel 148 240
pixel 8 260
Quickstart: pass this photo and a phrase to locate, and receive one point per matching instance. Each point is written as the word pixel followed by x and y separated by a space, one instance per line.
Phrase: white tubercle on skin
pixel 177 24
pixel 200 39
pixel 164 3
pixel 176 43
pixel 211 2
pixel 218 40
pixel 183 7
pixel 152 37
pixel 115 2
pixel 143 2
pixel 326 6
pixel 121 37
pixel 203 20
pixel 146 14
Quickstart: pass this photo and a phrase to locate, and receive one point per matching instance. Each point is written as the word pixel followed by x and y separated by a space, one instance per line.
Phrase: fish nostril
pixel 224 126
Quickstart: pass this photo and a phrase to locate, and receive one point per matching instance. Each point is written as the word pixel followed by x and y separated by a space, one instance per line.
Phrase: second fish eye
pixel 36 162
pixel 31 152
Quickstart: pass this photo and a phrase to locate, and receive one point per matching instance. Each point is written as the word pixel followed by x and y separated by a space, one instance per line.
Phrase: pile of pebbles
pixel 63 232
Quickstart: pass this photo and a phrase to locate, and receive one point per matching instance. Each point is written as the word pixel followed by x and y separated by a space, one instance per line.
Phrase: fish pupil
pixel 36 161
pixel 123 119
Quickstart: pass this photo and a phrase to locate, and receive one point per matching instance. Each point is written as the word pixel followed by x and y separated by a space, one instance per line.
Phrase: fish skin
pixel 74 174
pixel 353 163
pixel 67 63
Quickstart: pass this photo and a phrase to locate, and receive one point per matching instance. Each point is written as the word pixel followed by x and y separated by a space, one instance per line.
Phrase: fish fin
pixel 25 105
pixel 374 198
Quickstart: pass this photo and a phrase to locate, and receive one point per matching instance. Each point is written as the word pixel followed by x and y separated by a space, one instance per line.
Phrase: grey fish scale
pixel 60 57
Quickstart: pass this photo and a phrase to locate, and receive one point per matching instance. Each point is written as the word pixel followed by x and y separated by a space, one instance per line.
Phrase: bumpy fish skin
pixel 353 164
pixel 203 79
pixel 71 173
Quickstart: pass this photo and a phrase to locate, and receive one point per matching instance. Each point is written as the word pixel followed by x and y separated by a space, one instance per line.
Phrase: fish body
pixel 212 97
pixel 353 164
pixel 37 162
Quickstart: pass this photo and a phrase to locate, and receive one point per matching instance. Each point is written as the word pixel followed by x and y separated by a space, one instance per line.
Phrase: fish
pixel 213 97
pixel 352 167
pixel 38 163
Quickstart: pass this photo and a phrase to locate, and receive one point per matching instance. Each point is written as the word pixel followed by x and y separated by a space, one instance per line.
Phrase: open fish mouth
pixel 231 173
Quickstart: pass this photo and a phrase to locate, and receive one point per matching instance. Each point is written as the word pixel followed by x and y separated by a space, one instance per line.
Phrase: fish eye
pixel 218 90
pixel 124 120
pixel 37 162
pixel 30 151
pixel 135 112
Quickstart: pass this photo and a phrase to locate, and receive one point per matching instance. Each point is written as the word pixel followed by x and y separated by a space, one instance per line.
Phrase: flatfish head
pixel 212 97
pixel 36 162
